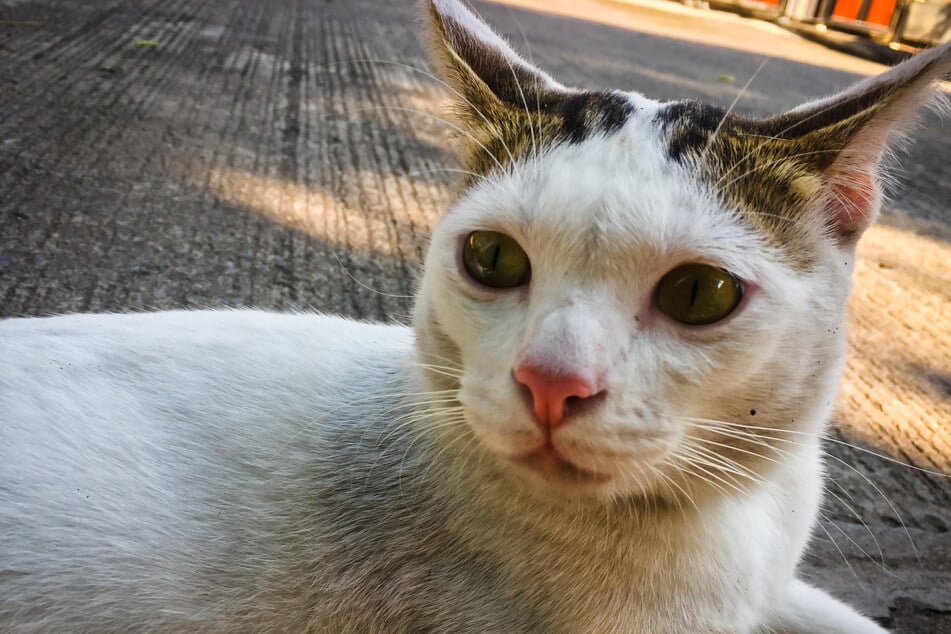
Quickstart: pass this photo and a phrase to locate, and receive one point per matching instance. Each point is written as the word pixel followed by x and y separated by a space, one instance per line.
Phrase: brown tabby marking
pixel 781 174
pixel 513 120
pixel 775 171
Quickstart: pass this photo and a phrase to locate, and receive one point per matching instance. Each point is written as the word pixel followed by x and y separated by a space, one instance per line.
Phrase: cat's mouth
pixel 552 465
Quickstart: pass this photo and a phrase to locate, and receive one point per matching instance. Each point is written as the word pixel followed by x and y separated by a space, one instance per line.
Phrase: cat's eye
pixel 698 294
pixel 495 259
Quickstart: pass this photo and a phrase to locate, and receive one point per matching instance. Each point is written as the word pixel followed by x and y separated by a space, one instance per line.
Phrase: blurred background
pixel 898 24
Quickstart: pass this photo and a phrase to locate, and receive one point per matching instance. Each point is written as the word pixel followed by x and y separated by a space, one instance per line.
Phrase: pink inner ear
pixel 853 201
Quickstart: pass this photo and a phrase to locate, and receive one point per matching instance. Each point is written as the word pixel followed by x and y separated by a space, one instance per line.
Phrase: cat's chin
pixel 549 468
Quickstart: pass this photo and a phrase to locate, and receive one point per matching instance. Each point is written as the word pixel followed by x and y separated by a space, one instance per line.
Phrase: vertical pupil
pixel 693 292
pixel 496 252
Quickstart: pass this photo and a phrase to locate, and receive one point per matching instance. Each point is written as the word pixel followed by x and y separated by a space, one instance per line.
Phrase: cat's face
pixel 626 317
pixel 598 247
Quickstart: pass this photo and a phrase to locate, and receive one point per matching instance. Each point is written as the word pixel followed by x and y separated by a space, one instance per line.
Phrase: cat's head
pixel 639 296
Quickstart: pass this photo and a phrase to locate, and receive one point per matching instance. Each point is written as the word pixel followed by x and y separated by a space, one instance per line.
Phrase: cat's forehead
pixel 767 170
pixel 543 119
pixel 609 196
pixel 622 167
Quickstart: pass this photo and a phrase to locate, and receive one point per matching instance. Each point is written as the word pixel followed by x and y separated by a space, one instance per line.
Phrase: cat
pixel 626 313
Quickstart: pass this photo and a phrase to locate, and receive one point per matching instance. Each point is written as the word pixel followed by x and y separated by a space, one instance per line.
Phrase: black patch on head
pixel 585 114
pixel 689 125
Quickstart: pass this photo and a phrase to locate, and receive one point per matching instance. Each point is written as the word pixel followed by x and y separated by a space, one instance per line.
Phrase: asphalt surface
pixel 290 154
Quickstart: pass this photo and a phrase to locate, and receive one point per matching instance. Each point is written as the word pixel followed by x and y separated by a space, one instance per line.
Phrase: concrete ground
pixel 289 153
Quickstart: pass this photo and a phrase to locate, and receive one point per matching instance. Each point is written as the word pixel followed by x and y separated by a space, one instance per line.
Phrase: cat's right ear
pixel 494 87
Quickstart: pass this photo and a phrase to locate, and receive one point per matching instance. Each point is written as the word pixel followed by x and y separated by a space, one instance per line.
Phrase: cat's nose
pixel 551 394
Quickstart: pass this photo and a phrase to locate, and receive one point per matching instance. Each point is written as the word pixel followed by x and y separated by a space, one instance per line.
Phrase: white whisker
pixel 445 169
pixel 764 165
pixel 881 555
pixel 844 558
pixel 364 286
pixel 428 115
pixel 491 125
pixel 827 438
pixel 726 114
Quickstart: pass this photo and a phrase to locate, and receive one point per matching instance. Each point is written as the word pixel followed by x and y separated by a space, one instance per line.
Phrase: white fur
pixel 251 471
pixel 150 464
pixel 248 470
pixel 176 470
pixel 598 247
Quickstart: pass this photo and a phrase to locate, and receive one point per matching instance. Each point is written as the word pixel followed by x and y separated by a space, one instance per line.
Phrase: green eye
pixel 698 294
pixel 494 259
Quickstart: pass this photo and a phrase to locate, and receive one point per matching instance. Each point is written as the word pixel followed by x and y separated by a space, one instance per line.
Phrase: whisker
pixel 780 135
pixel 518 85
pixel 716 131
pixel 720 185
pixel 495 130
pixel 364 286
pixel 739 449
pixel 826 438
pixel 760 136
pixel 538 107
pixel 410 401
pixel 888 501
pixel 412 418
pixel 437 458
pixel 473 450
pixel 795 222
pixel 841 461
pixel 685 468
pixel 436 170
pixel 742 436
pixel 438 370
pixel 721 463
pixel 881 560
pixel 844 558
pixel 673 483
pixel 428 115
pixel 438 357
pixel 699 463
pixel 445 422
pixel 305 425
pixel 456 370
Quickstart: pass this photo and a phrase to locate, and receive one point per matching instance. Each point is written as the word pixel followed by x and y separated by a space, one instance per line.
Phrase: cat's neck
pixel 595 556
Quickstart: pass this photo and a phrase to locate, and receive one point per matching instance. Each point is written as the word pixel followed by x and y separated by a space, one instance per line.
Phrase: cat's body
pixel 605 418
pixel 230 471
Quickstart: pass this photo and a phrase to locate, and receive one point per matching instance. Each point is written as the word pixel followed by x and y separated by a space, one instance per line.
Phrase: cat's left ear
pixel 845 138
pixel 492 82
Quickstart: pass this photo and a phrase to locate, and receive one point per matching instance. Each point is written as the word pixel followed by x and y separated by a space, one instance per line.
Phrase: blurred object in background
pixel 900 24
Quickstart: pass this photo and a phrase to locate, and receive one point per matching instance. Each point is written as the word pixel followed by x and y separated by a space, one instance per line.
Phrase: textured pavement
pixel 290 153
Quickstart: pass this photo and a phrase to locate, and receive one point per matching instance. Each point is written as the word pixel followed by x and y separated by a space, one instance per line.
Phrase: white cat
pixel 623 315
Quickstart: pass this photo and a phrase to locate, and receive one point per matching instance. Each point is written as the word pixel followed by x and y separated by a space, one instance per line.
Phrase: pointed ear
pixel 843 140
pixel 509 108
pixel 481 68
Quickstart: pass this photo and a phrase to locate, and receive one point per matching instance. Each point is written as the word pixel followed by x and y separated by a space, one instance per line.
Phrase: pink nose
pixel 551 393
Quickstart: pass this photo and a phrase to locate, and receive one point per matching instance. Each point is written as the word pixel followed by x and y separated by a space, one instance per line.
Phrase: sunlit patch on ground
pixel 315 212
pixel 896 395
